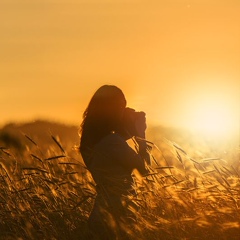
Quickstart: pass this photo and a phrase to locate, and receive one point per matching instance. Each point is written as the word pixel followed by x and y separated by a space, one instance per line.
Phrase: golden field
pixel 46 192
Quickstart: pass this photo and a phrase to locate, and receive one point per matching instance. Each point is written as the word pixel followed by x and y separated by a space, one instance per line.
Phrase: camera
pixel 130 116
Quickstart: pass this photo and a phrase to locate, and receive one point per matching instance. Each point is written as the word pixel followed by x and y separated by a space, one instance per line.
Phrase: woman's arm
pixel 126 156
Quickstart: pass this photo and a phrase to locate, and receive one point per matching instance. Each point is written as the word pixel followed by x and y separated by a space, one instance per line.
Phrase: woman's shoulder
pixel 112 138
pixel 111 144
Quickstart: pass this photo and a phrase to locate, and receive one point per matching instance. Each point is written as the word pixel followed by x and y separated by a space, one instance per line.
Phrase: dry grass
pixel 49 195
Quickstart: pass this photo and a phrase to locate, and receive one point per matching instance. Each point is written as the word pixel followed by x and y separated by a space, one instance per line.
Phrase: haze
pixel 178 60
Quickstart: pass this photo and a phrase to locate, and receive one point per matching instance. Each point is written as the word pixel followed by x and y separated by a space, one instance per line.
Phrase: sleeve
pixel 126 156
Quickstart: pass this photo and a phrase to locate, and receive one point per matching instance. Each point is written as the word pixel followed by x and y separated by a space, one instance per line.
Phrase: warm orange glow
pixel 214 107
pixel 214 117
pixel 156 51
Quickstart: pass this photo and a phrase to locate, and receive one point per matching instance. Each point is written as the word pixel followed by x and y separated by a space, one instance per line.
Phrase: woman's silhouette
pixel 106 126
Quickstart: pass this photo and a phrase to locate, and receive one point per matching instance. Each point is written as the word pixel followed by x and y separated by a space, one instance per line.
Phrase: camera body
pixel 130 116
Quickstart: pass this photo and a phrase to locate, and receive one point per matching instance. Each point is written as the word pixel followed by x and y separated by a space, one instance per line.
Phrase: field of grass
pixel 190 192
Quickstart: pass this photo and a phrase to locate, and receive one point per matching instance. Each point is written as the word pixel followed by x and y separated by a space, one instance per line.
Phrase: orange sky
pixel 172 58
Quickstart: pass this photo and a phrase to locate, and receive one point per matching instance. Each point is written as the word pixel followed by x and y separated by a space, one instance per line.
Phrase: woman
pixel 106 126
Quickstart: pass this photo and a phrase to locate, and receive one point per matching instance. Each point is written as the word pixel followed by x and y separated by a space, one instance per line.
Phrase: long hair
pixel 102 115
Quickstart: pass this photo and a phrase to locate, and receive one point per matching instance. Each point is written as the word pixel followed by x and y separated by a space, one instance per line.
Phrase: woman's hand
pixel 133 123
pixel 140 124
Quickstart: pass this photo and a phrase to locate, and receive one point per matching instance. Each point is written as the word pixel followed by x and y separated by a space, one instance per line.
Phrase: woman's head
pixel 103 113
pixel 106 103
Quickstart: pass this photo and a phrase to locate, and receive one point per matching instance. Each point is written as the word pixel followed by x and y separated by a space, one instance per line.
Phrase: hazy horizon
pixel 176 60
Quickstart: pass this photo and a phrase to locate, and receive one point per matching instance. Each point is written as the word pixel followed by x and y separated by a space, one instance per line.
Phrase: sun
pixel 214 117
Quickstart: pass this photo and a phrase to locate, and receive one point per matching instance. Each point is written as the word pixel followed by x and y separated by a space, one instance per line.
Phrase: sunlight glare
pixel 214 118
